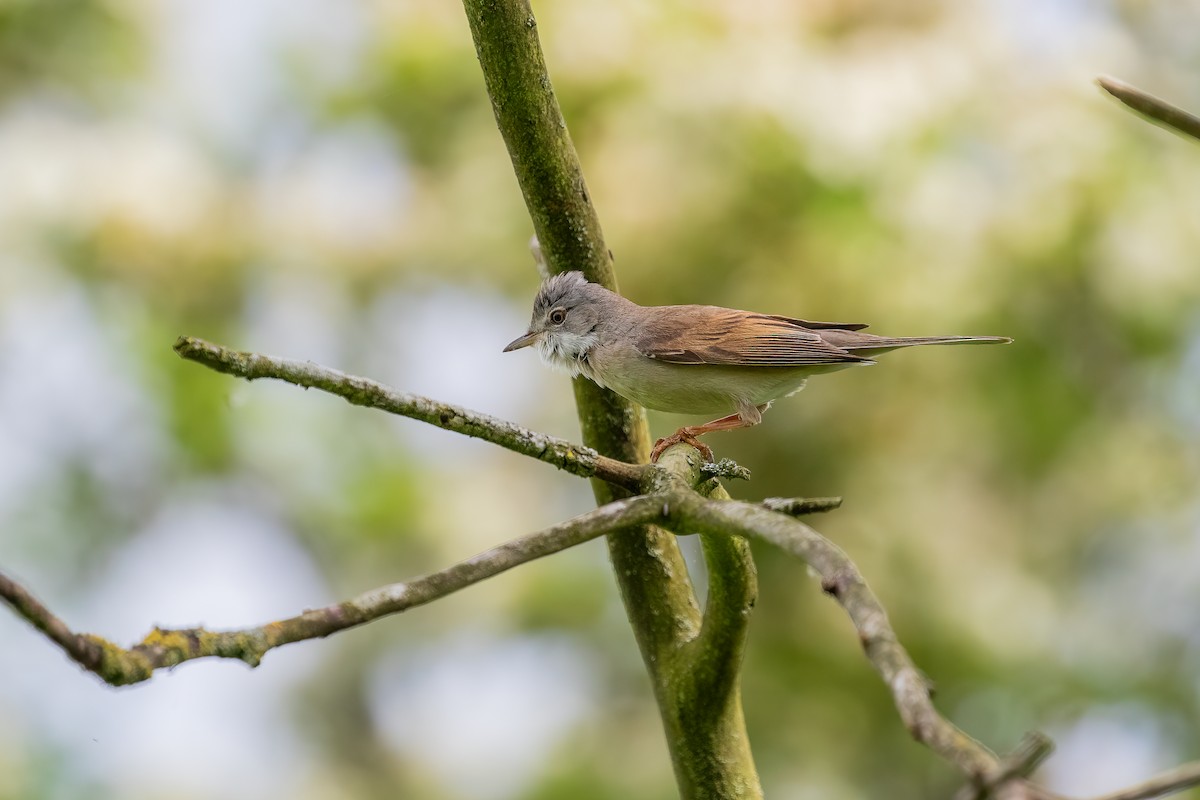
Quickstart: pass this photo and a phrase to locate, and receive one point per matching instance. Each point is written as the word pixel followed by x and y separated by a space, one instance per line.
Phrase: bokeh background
pixel 322 179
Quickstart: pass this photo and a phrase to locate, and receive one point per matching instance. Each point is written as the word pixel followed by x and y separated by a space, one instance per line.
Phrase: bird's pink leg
pixel 746 418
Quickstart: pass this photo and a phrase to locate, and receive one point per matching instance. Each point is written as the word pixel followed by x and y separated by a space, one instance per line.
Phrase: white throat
pixel 567 352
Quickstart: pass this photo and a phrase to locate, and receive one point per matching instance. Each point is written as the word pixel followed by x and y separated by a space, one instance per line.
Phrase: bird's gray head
pixel 566 313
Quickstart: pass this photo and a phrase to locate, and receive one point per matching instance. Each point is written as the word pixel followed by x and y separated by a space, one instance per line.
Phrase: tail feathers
pixel 866 343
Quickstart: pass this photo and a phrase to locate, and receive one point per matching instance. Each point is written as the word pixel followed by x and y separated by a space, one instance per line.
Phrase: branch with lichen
pixel 120 666
pixel 575 459
pixel 1155 109
pixel 671 501
pixel 674 506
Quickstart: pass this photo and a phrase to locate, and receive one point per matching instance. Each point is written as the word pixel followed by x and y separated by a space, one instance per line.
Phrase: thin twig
pixel 800 506
pixel 1175 780
pixel 1034 748
pixel 1031 751
pixel 573 458
pixel 80 648
pixel 1155 109
pixel 121 666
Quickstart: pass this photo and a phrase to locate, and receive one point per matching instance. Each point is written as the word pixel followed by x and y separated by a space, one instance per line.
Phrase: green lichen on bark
pixel 539 144
pixel 117 666
pixel 711 759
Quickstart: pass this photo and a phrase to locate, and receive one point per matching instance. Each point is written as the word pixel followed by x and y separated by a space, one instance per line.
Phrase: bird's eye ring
pixel 558 316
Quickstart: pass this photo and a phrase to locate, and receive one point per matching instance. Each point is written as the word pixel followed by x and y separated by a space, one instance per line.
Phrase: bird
pixel 695 359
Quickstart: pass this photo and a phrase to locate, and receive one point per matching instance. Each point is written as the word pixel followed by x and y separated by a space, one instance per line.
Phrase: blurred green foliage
pixel 1028 514
pixel 71 46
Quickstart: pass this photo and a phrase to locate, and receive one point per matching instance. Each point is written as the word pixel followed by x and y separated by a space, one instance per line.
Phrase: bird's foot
pixel 681 436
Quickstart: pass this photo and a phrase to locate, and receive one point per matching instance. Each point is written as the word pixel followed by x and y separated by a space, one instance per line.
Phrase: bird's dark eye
pixel 558 316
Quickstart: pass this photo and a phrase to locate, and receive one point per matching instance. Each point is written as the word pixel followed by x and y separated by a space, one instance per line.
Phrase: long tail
pixel 858 342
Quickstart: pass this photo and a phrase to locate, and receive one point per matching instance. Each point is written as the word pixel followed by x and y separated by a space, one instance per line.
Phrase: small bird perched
pixel 695 359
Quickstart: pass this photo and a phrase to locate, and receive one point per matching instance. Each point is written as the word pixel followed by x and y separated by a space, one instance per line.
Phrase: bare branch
pixel 1170 782
pixel 1176 780
pixel 121 666
pixel 1155 109
pixel 841 579
pixel 81 649
pixel 572 458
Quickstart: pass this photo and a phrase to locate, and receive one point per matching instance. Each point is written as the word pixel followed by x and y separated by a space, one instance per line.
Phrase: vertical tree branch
pixel 648 564
pixel 713 659
pixel 702 699
pixel 539 145
pixel 650 570
pixel 732 593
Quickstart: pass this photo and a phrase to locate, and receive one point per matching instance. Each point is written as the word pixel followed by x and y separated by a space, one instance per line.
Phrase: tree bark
pixel 710 750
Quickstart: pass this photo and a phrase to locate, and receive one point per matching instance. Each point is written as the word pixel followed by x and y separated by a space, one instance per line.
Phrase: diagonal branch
pixel 121 666
pixel 841 579
pixel 81 649
pixel 1176 780
pixel 1153 108
pixel 572 458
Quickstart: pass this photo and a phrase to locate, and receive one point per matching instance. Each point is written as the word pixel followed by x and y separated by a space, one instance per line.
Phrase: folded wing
pixel 713 335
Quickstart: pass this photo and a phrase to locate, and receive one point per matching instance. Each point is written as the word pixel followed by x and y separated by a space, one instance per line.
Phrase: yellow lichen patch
pixel 247 646
pixel 170 647
pixel 118 666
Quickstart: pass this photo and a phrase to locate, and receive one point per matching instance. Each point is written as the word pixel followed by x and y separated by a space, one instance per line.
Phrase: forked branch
pixel 668 502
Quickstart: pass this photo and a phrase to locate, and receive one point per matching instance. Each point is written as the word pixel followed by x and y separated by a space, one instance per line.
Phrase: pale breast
pixel 691 388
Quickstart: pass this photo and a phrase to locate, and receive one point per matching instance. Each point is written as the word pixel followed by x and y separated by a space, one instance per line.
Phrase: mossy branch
pixel 649 567
pixel 711 760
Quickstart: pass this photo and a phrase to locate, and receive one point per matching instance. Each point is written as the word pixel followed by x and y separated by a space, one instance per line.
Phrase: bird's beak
pixel 522 341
